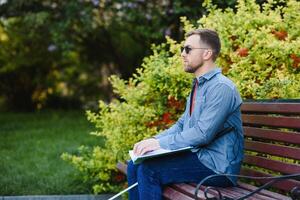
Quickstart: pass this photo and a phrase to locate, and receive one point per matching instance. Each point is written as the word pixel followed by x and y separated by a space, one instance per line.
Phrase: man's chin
pixel 189 69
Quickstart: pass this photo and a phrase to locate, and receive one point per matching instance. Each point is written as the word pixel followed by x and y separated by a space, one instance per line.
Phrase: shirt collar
pixel 208 75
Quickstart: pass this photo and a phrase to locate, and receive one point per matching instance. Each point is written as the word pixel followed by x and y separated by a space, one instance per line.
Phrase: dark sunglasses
pixel 188 49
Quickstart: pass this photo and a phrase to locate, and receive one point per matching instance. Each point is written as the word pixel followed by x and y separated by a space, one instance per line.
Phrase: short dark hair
pixel 210 38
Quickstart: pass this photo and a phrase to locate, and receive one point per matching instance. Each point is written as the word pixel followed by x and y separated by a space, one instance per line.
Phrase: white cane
pixel 123 191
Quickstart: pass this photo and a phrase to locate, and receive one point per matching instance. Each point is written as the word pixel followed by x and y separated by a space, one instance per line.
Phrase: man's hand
pixel 145 146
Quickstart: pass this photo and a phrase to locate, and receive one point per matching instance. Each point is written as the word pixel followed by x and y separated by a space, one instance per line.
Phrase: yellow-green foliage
pixel 260 49
pixel 260 53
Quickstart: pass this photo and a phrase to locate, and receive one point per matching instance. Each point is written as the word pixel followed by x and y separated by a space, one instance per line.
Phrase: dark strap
pixel 224 131
pixel 220 134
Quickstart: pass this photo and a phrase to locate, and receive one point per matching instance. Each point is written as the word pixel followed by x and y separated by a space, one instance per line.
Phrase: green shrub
pixel 260 53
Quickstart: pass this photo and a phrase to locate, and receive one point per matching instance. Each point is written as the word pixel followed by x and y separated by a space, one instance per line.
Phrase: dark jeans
pixel 153 174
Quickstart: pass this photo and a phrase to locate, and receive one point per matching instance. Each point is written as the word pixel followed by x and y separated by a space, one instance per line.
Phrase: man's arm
pixel 219 103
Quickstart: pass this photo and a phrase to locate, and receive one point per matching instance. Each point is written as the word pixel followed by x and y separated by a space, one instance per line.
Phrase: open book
pixel 156 153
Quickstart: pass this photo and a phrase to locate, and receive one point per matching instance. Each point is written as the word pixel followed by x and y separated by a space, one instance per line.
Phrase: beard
pixel 190 69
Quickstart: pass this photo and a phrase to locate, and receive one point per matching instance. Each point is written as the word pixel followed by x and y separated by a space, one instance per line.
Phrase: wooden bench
pixel 272 147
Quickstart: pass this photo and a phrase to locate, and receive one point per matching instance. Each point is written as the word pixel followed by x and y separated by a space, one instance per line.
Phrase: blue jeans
pixel 155 173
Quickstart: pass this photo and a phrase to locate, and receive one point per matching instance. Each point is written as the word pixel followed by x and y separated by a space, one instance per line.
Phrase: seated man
pixel 214 104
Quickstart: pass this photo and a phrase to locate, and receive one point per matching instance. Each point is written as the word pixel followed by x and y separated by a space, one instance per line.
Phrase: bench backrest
pixel 272 140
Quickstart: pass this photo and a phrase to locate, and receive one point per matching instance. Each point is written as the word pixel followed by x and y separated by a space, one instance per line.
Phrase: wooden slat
pixel 172 194
pixel 280 108
pixel 282 136
pixel 268 193
pixel 213 193
pixel 265 120
pixel 274 165
pixel 242 192
pixel 231 193
pixel 235 192
pixel 189 190
pixel 272 149
pixel 285 185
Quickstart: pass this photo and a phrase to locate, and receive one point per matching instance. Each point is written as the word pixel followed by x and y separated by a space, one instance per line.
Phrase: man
pixel 213 105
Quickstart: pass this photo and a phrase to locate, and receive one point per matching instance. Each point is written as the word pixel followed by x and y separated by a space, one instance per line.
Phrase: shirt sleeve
pixel 218 105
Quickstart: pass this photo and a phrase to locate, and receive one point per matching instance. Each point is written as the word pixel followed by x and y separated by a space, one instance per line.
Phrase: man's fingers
pixel 145 150
pixel 136 147
pixel 144 146
pixel 142 149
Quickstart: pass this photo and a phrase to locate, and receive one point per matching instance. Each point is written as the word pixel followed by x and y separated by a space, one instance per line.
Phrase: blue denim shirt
pixel 217 106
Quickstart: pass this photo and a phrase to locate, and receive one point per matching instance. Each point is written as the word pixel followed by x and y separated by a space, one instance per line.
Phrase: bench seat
pixel 185 191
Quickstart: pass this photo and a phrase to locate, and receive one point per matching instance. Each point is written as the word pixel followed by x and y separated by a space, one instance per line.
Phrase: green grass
pixel 30 149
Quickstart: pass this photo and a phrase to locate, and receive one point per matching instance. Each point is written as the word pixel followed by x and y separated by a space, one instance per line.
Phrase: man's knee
pixel 148 170
pixel 131 169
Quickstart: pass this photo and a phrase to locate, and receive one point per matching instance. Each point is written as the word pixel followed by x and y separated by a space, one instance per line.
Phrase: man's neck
pixel 206 67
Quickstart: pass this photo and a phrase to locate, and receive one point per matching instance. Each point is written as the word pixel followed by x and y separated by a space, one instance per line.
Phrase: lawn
pixel 30 149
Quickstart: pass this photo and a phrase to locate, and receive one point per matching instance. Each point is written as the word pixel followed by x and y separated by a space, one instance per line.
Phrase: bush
pixel 260 53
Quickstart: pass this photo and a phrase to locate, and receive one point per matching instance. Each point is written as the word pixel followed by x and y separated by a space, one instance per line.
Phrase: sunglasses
pixel 188 49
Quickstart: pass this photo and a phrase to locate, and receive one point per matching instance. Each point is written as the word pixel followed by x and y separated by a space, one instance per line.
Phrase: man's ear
pixel 207 54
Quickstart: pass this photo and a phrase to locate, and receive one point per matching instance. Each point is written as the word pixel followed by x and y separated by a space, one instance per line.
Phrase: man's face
pixel 194 58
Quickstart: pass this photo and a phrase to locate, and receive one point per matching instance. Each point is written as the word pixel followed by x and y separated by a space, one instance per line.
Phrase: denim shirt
pixel 217 106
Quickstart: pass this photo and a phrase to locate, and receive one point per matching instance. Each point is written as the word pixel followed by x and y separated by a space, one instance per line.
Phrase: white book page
pixel 150 153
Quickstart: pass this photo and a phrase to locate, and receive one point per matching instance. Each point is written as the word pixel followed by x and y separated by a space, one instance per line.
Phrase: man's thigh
pixel 176 168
